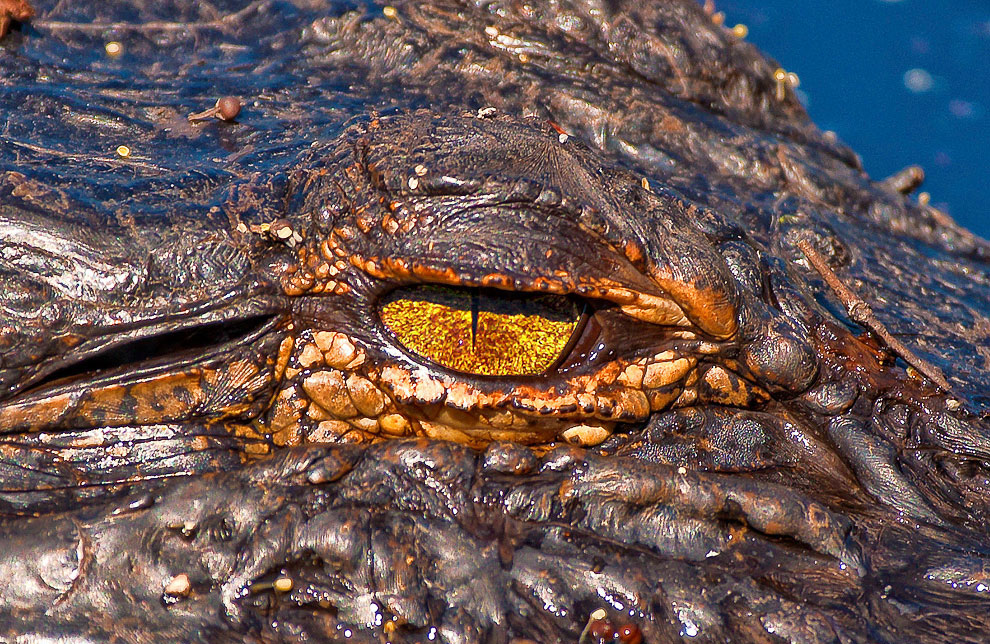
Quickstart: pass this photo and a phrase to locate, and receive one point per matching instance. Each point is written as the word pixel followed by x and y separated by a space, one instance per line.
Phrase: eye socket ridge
pixel 483 331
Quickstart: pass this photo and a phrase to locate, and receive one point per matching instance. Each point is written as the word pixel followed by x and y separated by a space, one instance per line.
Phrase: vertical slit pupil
pixel 481 331
pixel 475 304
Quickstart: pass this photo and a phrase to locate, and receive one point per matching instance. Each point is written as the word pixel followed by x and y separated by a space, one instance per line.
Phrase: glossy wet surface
pixel 758 464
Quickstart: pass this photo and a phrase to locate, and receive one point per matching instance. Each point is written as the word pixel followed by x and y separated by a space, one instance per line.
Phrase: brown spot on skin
pixel 634 253
pixel 286 414
pixel 631 403
pixel 328 389
pixel 324 340
pixel 284 353
pixel 413 389
pixel 656 310
pixel 37 414
pixel 168 397
pixel 368 426
pixel 632 376
pixel 364 223
pixel 661 374
pixel 670 123
pixel 329 431
pixel 310 356
pixel 725 388
pixel 662 399
pixel 317 413
pixel 443 432
pixel 291 289
pixel 461 395
pixel 718 379
pixel 686 398
pixel 395 425
pixel 340 352
pixel 366 396
pixel 585 435
pixel 254 443
pixel 178 586
pixel 390 225
pixel 496 280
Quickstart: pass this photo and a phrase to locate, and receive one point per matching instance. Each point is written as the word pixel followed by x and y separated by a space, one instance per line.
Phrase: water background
pixel 903 82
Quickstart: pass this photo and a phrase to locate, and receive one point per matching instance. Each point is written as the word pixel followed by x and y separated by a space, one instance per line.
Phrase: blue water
pixel 903 82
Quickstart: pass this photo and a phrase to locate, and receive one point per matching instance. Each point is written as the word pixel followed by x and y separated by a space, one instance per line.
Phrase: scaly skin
pixel 209 433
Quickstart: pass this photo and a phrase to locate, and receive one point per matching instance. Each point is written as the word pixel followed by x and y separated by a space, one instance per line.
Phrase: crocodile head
pixel 473 278
pixel 584 369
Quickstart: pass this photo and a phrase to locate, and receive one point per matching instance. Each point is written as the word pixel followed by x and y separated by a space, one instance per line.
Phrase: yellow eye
pixel 480 331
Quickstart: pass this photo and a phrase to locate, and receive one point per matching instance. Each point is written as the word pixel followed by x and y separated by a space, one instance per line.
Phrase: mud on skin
pixel 477 320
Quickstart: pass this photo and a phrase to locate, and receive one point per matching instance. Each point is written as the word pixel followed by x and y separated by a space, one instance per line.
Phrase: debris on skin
pixel 905 181
pixel 226 109
pixel 861 313
pixel 178 586
pixel 279 230
pixel 785 80
pixel 601 630
pixel 13 11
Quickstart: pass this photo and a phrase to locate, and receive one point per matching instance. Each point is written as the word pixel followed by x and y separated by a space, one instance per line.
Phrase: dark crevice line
pixel 172 348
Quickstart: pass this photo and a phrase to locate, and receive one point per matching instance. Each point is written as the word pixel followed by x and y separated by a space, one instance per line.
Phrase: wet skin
pixel 532 340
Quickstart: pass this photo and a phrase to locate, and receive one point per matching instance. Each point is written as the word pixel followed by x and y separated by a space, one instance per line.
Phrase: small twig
pixel 905 181
pixel 861 313
pixel 226 109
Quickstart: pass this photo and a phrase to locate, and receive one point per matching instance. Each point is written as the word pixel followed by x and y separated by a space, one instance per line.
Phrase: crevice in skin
pixel 154 352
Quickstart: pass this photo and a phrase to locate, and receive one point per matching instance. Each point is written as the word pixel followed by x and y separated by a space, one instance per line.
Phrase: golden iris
pixel 482 331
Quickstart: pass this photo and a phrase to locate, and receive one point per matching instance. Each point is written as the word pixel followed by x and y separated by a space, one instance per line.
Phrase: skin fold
pixel 478 319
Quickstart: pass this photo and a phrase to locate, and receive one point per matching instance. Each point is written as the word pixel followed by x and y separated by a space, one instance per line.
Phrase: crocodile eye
pixel 484 332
